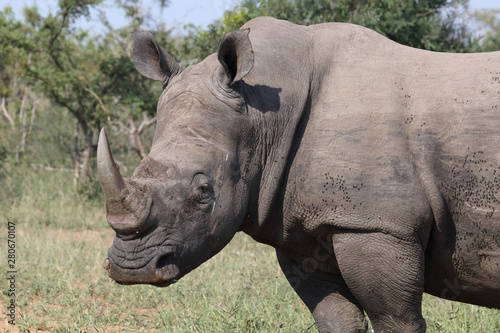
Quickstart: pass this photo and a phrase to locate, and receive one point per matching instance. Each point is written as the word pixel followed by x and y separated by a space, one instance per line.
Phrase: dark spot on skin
pixel 474 184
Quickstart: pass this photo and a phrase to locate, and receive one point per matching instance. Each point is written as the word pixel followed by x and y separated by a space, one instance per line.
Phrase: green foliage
pixel 490 21
pixel 68 64
pixel 201 43
pixel 429 24
pixel 13 58
pixel 91 77
pixel 419 24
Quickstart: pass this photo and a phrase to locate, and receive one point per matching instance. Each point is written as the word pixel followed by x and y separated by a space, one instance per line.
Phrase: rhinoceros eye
pixel 203 189
pixel 205 193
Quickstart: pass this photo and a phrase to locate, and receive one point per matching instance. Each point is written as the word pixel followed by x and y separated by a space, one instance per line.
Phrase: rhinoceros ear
pixel 151 60
pixel 235 55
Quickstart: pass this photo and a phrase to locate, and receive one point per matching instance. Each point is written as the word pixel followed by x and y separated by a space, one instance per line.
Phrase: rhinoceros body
pixel 372 168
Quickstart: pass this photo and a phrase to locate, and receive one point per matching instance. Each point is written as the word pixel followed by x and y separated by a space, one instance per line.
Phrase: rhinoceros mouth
pixel 137 258
pixel 150 258
pixel 160 271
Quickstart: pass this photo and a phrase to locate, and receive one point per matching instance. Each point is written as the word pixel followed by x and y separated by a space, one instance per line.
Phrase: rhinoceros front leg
pixel 386 276
pixel 332 305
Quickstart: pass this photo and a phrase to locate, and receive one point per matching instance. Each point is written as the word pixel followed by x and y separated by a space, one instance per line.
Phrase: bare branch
pixel 135 139
pixel 98 99
pixel 7 115
pixel 121 125
pixel 146 123
pixel 121 165
pixel 431 11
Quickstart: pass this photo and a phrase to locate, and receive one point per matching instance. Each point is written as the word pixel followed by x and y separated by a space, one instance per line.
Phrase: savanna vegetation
pixel 59 84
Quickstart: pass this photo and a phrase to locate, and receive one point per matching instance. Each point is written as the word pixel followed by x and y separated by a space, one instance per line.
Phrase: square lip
pixel 162 276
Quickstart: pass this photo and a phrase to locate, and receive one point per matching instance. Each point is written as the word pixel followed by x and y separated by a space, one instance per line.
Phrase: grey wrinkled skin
pixel 372 168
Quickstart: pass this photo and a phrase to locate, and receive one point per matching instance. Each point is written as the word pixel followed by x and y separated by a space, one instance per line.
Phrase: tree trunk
pixel 134 133
pixel 86 155
pixel 77 158
pixel 25 119
pixel 135 139
pixel 33 112
pixel 22 116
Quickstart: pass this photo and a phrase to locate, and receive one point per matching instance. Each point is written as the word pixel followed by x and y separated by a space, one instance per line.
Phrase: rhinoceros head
pixel 189 196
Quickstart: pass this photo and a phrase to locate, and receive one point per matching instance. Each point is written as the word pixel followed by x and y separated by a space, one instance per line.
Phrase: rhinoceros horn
pixel 127 207
pixel 111 180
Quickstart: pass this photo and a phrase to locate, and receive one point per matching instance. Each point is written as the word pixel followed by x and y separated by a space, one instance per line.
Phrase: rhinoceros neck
pixel 277 93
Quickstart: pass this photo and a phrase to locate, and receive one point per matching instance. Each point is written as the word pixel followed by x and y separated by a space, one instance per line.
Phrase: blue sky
pixel 176 15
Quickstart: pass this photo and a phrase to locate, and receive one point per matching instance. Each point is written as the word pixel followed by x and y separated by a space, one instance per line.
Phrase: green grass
pixel 62 287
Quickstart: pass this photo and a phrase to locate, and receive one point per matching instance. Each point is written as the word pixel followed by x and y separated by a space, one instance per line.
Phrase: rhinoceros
pixel 372 168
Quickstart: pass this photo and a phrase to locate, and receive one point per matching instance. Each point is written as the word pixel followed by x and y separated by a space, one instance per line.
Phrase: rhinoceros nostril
pixel 167 271
pixel 163 262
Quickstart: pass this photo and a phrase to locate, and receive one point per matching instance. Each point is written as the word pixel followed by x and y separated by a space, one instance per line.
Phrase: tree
pixel 489 21
pixel 426 24
pixel 92 77
pixel 17 100
pixel 65 70
pixel 134 100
